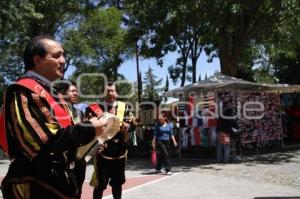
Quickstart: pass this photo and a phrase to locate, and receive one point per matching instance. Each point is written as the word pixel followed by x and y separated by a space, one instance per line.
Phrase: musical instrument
pixel 110 130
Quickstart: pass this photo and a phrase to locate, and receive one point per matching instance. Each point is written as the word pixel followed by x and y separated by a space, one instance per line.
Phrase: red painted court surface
pixel 87 192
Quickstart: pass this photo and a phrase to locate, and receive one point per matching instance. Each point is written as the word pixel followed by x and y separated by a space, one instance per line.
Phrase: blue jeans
pixel 223 152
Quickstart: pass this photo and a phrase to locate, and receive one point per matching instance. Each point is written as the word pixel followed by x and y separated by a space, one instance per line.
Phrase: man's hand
pixel 101 148
pixel 99 125
pixel 175 144
pixel 153 147
pixel 125 127
pixel 153 144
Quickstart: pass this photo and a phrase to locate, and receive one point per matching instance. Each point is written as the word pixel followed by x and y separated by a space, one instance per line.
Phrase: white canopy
pixel 221 81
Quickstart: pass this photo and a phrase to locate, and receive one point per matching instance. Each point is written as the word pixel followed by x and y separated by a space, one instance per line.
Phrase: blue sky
pixel 128 69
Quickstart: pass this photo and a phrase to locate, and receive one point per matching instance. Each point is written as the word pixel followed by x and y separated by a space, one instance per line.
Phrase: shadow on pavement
pixel 273 158
pixel 178 165
pixel 187 164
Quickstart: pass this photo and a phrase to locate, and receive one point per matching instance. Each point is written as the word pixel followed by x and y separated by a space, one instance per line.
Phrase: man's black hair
pixel 111 84
pixel 63 86
pixel 34 47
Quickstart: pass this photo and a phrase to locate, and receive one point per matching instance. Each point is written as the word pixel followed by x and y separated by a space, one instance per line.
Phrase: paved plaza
pixel 273 175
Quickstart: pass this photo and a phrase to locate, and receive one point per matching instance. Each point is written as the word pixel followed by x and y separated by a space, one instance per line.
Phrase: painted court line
pixel 87 191
pixel 145 184
pixel 131 184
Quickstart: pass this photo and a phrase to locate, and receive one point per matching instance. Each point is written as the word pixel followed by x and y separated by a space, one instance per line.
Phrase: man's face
pixel 72 94
pixel 52 65
pixel 111 93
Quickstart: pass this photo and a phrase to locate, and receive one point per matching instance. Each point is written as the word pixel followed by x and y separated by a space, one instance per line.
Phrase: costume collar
pixel 114 104
pixel 31 73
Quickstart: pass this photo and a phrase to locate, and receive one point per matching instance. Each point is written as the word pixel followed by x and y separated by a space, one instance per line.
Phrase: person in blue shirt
pixel 161 141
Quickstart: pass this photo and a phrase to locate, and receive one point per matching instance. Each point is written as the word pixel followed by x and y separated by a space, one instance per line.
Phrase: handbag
pixel 153 158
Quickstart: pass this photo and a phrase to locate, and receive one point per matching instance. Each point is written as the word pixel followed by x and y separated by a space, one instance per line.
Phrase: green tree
pixel 283 49
pixel 228 30
pixel 22 20
pixel 287 69
pixel 199 78
pixel 98 44
pixel 167 84
pixel 13 19
pixel 241 22
pixel 151 86
pixel 263 75
pixel 205 78
pixel 176 27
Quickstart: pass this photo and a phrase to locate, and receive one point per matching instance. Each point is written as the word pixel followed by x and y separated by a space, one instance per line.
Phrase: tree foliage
pixel 166 89
pixel 176 27
pixel 151 86
pixel 263 75
pixel 22 20
pixel 252 39
pixel 284 48
pixel 93 37
pixel 239 24
pixel 231 30
pixel 97 45
pixel 287 69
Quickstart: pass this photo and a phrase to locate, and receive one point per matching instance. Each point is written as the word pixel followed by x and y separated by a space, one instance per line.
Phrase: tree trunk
pixel 229 55
pixel 228 65
pixel 194 70
pixel 138 71
pixel 195 57
pixel 195 54
pixel 183 77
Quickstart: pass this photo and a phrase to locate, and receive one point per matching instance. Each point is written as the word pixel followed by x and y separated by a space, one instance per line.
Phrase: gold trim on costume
pixel 116 158
pixel 27 134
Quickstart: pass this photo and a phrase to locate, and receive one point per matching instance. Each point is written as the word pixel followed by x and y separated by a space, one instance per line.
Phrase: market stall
pixel 257 110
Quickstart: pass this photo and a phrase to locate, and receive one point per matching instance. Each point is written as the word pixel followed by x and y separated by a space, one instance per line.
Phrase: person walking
pixel 161 140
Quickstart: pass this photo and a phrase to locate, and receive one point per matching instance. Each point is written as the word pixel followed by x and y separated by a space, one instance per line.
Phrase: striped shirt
pixel 31 126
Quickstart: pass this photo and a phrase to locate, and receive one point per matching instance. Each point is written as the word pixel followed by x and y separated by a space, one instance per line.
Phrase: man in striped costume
pixel 41 136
